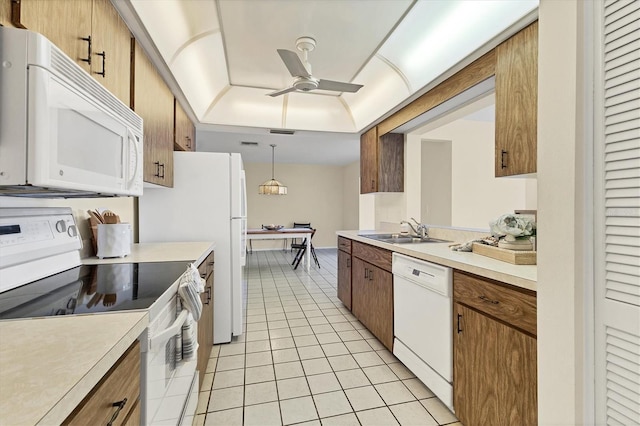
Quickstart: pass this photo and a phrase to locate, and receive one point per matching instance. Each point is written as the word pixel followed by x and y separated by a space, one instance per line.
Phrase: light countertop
pixel 48 365
pixel 523 276
pixel 194 252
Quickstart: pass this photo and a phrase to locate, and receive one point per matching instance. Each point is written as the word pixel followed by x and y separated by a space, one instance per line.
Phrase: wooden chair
pixel 302 248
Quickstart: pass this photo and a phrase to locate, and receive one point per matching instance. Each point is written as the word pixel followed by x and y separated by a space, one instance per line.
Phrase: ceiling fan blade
pixel 282 92
pixel 338 86
pixel 293 63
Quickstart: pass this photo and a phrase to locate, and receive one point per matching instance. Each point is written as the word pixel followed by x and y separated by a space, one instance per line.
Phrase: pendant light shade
pixel 272 186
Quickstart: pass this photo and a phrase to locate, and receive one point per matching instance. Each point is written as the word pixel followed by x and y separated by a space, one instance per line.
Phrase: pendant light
pixel 272 187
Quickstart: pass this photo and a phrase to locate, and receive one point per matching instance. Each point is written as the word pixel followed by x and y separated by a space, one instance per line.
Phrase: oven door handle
pixel 160 338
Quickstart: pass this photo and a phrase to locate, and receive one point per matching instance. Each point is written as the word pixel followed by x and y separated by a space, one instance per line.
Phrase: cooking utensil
pixel 109 299
pixel 110 217
pixel 96 215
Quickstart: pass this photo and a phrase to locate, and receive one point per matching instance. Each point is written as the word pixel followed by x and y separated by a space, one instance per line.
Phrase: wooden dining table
pixel 284 233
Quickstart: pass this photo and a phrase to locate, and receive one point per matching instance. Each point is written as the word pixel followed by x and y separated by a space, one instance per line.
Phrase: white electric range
pixel 41 275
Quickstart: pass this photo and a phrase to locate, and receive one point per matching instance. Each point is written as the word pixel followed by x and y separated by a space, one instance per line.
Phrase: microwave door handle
pixel 170 331
pixel 131 137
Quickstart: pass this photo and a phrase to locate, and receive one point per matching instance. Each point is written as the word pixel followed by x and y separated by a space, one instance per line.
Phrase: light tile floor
pixel 305 359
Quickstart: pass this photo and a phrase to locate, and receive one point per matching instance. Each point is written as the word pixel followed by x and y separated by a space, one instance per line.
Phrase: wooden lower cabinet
pixel 205 324
pixel 495 363
pixel 115 397
pixel 344 274
pixel 372 299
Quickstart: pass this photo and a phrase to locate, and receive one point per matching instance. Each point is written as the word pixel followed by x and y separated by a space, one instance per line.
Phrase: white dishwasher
pixel 422 307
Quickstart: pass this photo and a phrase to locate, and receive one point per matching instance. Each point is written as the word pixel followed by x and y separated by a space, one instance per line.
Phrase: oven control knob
pixel 61 226
pixel 72 231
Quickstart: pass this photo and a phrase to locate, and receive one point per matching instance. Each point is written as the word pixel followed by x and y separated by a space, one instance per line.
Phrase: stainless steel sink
pixel 402 239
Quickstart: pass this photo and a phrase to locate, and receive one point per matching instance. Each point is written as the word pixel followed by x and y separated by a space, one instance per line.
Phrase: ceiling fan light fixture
pixel 272 186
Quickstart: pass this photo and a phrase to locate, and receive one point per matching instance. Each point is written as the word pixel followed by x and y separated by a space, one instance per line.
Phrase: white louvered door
pixel 617 213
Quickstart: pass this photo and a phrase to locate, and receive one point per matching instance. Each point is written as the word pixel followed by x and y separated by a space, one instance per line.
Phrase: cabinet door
pixel 372 299
pixel 5 13
pixel 344 278
pixel 183 130
pixel 205 329
pixel 517 103
pixel 111 63
pixel 359 289
pixel 153 101
pixel 63 22
pixel 380 305
pixel 495 376
pixel 369 161
pixel 391 163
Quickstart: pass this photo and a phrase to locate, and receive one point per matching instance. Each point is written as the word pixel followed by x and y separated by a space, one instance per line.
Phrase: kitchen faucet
pixel 421 231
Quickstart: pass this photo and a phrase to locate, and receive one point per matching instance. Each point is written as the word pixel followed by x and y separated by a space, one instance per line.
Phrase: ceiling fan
pixel 301 71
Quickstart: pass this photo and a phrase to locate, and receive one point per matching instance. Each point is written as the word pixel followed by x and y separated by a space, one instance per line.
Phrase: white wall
pixel 123 206
pixel 561 226
pixel 351 195
pixel 316 194
pixel 477 195
pixel 437 190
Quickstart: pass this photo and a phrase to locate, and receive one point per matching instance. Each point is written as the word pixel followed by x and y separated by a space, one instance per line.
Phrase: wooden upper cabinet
pixel 5 13
pixel 66 23
pixel 369 161
pixel 517 103
pixel 184 131
pixel 89 31
pixel 111 39
pixel 381 162
pixel 153 101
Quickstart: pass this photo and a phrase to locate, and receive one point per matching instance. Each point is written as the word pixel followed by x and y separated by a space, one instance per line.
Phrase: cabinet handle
pixel 348 262
pixel 487 300
pixel 88 58
pixel 162 167
pixel 459 323
pixel 208 291
pixel 211 263
pixel 188 141
pixel 373 184
pixel 120 405
pixel 366 272
pixel 203 275
pixel 503 163
pixel 157 173
pixel 370 274
pixel 103 73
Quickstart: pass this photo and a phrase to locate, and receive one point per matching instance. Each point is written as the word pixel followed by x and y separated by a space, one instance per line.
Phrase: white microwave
pixel 61 132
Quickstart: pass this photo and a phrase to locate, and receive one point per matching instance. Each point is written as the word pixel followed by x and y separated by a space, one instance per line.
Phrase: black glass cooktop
pixel 92 289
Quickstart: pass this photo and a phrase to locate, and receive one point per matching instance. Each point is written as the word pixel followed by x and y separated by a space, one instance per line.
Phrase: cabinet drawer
pixel 514 307
pixel 122 381
pixel 374 255
pixel 344 244
pixel 206 267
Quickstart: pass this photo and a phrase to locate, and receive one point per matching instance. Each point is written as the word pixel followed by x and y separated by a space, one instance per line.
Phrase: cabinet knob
pixel 120 405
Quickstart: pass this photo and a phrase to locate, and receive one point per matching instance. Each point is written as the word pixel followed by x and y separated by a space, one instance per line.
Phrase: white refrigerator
pixel 207 203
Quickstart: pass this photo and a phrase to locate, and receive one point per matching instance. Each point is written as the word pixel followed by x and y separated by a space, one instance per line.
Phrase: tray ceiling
pixel 222 55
